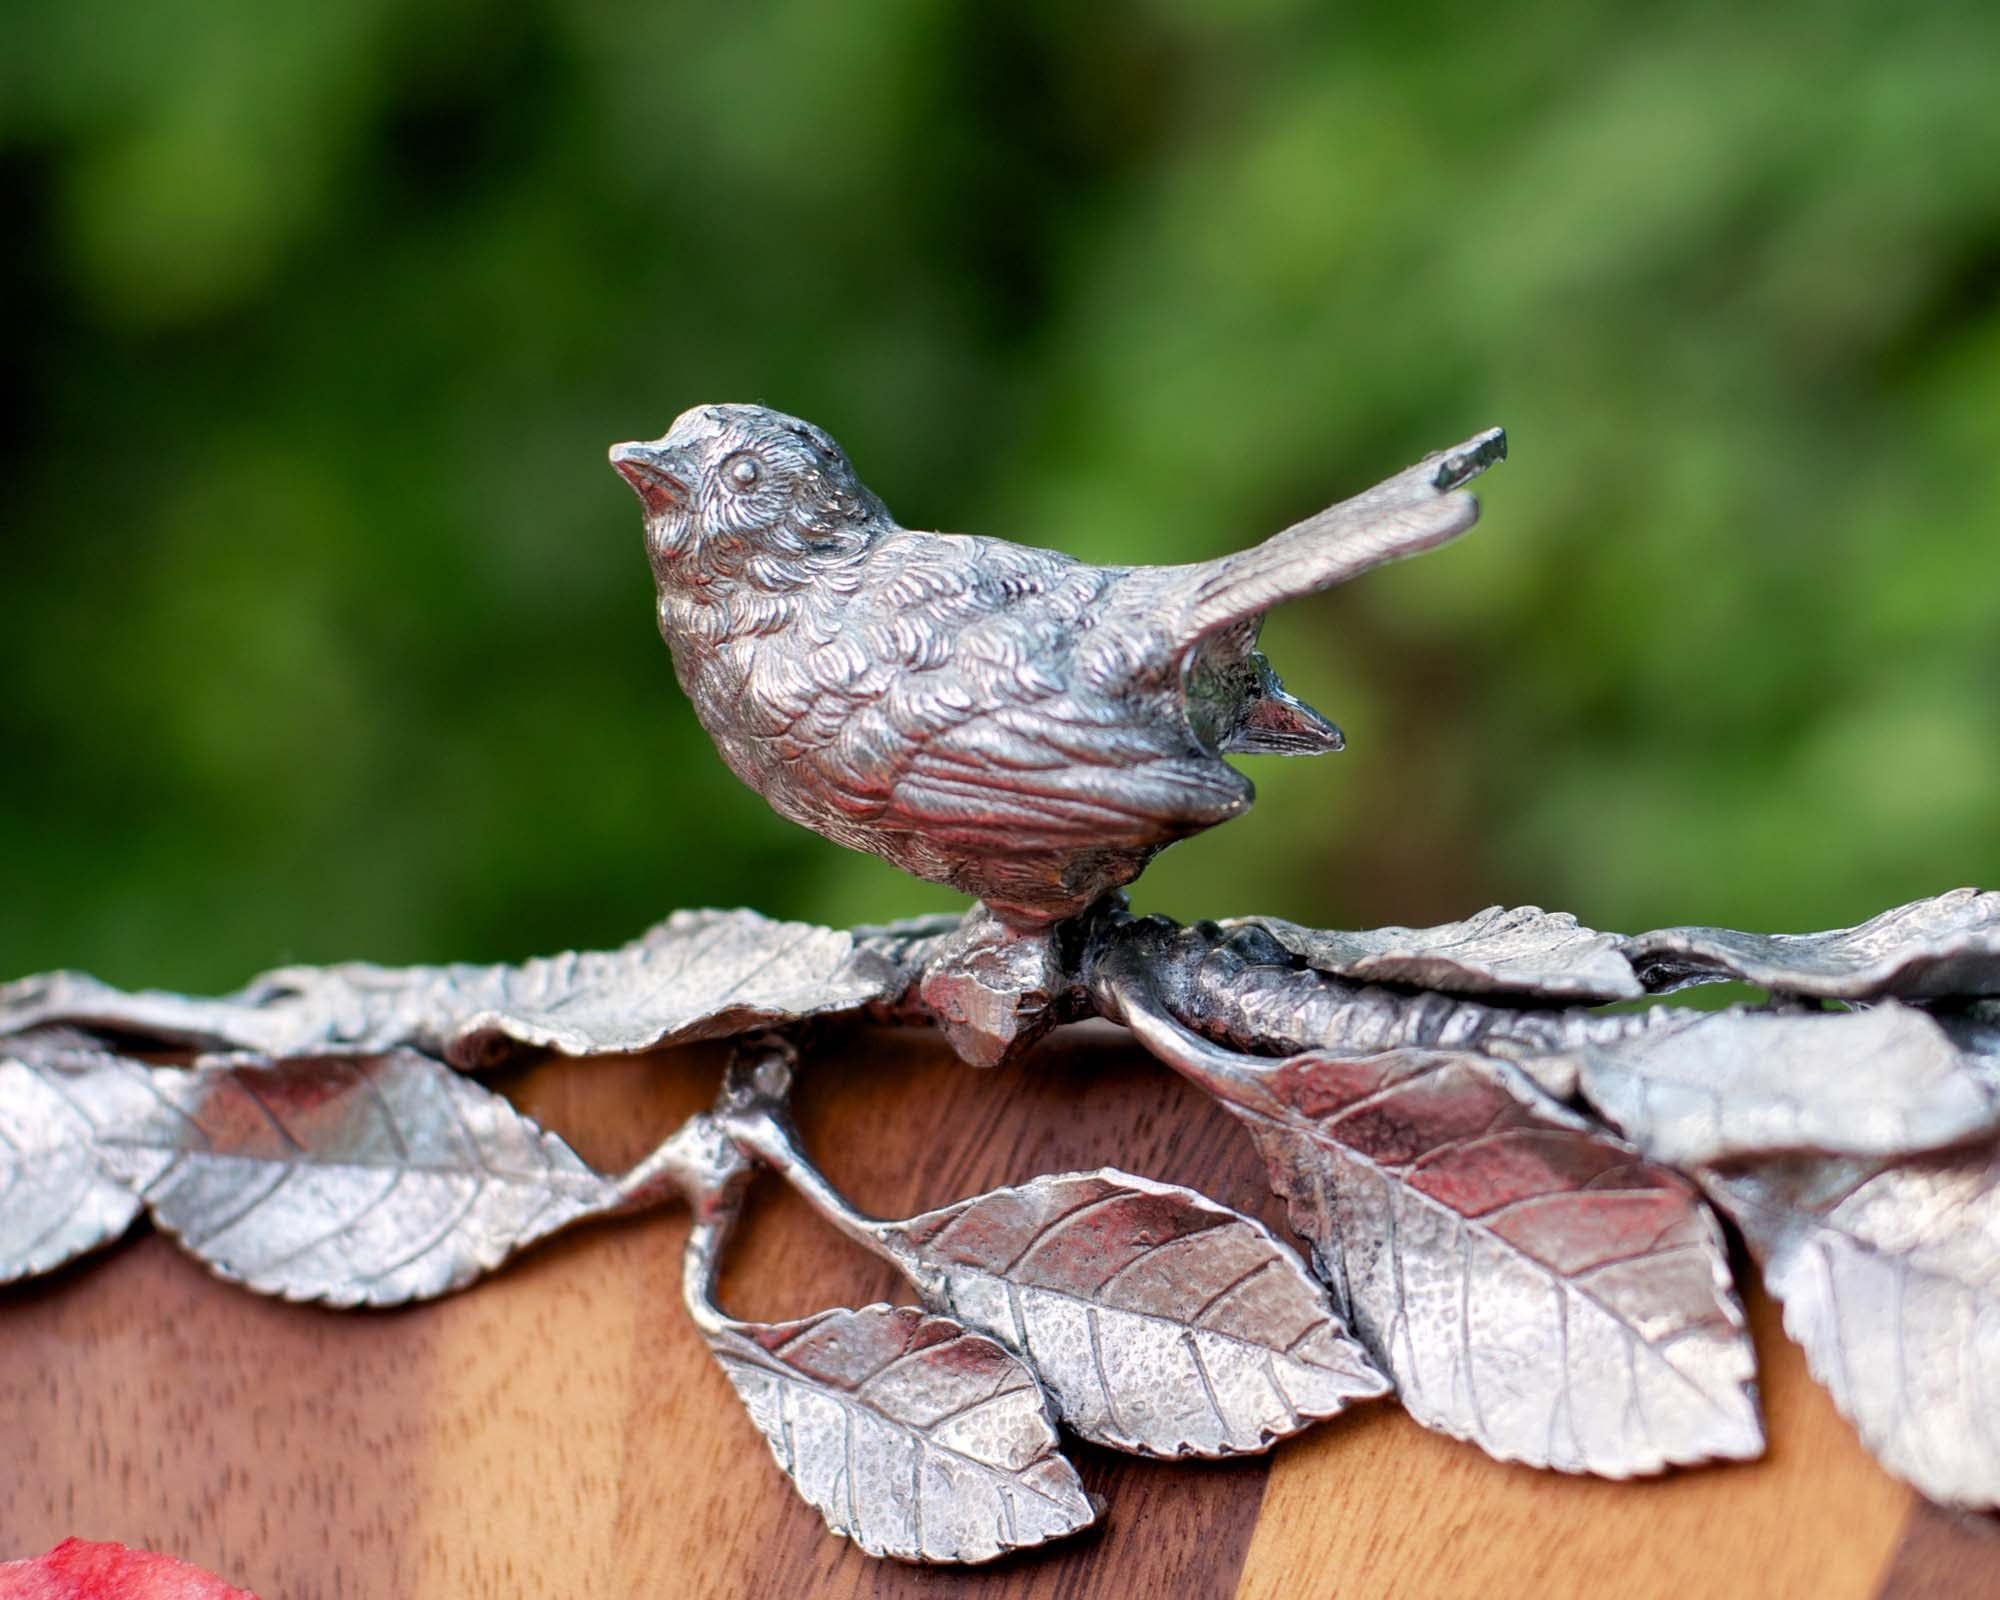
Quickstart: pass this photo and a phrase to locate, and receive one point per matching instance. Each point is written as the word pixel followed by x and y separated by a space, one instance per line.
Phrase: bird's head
pixel 741 491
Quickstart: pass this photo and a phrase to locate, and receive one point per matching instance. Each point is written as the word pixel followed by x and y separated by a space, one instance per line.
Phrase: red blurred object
pixel 78 1569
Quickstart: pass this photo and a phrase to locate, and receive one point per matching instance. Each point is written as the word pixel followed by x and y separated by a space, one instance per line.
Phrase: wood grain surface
pixel 559 1430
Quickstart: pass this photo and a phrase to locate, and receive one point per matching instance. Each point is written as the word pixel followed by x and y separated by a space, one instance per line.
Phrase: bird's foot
pixel 995 989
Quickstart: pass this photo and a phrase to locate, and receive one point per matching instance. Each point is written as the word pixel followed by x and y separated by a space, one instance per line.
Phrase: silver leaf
pixel 1879 1082
pixel 1242 988
pixel 1530 1284
pixel 698 975
pixel 1521 950
pixel 1890 1276
pixel 59 1100
pixel 909 1434
pixel 1947 945
pixel 353 1180
pixel 1160 1322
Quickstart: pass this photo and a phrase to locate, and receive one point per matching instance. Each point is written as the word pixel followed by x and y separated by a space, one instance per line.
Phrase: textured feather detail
pixel 1415 510
pixel 1013 722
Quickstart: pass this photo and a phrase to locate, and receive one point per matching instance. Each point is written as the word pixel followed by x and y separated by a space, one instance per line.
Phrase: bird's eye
pixel 743 472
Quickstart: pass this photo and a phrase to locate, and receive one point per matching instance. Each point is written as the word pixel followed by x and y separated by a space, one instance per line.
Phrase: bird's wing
pixel 1412 511
pixel 1035 779
pixel 989 699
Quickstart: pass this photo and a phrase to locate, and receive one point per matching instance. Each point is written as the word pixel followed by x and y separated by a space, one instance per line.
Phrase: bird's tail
pixel 1272 721
pixel 1413 511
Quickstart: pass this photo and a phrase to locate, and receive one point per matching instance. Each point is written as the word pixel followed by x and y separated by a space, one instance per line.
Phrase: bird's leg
pixel 995 987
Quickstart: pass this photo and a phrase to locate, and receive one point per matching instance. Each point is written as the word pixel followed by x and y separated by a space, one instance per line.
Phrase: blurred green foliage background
pixel 329 631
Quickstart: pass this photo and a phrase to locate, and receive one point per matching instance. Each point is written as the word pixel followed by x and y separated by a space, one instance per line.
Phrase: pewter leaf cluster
pixel 1512 1203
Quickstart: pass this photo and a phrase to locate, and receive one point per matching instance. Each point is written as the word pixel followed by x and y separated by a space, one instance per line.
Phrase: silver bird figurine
pixel 1010 721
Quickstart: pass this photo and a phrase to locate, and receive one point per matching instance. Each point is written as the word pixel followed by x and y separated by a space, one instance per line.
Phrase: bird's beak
pixel 656 475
